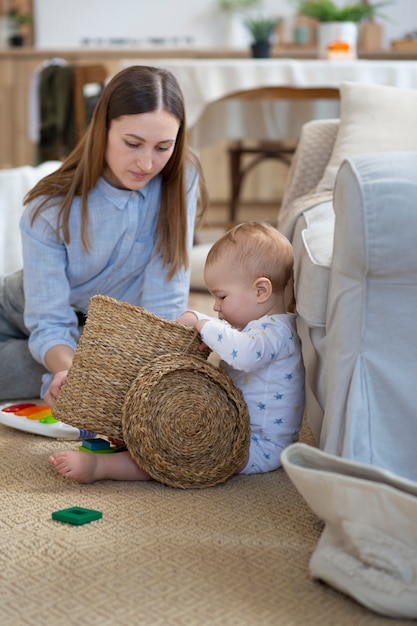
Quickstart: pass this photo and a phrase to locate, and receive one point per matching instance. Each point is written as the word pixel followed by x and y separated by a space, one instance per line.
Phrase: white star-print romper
pixel 264 360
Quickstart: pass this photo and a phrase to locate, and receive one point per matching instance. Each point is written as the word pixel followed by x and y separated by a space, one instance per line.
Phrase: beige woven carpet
pixel 235 554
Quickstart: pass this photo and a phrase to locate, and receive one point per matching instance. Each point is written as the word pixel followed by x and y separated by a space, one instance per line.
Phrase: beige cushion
pixel 373 118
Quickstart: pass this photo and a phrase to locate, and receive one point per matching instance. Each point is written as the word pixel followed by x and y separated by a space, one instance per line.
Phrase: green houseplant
pixel 337 31
pixel 231 20
pixel 16 20
pixel 261 29
pixel 236 5
pixel 328 11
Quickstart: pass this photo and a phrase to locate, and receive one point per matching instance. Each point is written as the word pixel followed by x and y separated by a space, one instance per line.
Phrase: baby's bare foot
pixel 81 466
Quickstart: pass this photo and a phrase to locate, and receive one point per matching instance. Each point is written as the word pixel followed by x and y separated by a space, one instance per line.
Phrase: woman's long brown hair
pixel 137 89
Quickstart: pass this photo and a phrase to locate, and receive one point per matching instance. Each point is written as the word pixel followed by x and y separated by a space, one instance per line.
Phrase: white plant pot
pixel 337 40
pixel 5 31
pixel 236 35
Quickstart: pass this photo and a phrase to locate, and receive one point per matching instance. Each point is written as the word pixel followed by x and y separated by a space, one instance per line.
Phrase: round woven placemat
pixel 185 422
pixel 118 340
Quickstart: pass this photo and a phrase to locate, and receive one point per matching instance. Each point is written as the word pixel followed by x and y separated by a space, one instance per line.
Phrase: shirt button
pixel 133 194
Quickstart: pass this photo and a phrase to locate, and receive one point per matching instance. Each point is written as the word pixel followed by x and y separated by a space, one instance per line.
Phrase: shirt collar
pixel 119 197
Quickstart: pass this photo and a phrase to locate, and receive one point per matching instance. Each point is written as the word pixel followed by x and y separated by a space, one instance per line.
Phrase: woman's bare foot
pixel 88 467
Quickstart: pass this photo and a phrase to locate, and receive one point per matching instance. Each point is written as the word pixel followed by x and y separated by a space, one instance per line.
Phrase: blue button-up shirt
pixel 123 262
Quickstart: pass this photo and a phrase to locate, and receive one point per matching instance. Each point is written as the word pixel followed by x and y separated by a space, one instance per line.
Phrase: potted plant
pixel 338 25
pixel 262 30
pixel 234 32
pixel 328 11
pixel 237 5
pixel 16 20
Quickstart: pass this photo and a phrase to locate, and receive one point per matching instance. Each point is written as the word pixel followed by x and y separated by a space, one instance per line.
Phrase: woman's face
pixel 138 148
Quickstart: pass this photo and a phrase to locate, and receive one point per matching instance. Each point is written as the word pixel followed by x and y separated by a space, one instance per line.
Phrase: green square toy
pixel 76 515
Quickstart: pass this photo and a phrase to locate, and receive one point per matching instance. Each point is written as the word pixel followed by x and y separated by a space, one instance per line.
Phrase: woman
pixel 117 218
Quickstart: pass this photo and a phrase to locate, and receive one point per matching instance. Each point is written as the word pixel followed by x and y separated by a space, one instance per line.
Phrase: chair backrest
pixel 308 164
pixel 85 75
pixel 311 157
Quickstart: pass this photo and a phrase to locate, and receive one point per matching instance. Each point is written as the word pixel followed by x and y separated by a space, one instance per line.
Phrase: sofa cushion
pixel 373 118
pixel 313 252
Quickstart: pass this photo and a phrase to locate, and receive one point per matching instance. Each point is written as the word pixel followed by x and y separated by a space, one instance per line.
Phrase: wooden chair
pixel 263 150
pixel 85 75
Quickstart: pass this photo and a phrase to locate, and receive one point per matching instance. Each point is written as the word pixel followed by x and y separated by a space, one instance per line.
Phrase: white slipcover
pixel 14 184
pixel 355 282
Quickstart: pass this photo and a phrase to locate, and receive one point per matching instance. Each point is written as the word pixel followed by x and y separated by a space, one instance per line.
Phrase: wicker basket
pixel 185 422
pixel 118 340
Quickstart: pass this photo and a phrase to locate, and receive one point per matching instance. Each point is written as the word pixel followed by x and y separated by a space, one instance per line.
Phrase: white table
pixel 210 86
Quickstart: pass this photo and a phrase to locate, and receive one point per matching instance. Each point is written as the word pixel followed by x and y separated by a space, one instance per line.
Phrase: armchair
pixel 355 288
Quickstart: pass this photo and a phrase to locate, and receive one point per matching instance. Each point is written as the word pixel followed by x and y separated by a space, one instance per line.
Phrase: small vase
pixel 261 49
pixel 337 40
pixel 236 36
pixel 4 31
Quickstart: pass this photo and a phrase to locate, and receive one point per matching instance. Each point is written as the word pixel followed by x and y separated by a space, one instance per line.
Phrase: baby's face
pixel 234 294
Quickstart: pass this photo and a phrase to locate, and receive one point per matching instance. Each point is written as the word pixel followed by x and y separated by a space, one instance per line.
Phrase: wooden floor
pixel 217 214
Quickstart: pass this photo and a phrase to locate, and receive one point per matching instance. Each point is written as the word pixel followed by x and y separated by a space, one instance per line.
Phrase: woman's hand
pixel 54 388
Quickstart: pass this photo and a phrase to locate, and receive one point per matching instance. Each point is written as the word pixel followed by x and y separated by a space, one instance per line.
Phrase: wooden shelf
pixel 17 66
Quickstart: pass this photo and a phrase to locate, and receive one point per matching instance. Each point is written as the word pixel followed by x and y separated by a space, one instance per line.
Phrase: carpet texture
pixel 232 555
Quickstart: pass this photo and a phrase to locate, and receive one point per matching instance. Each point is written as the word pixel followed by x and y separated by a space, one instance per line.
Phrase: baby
pixel 246 271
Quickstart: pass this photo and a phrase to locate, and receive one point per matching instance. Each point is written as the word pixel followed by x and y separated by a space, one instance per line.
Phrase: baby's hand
pixel 188 319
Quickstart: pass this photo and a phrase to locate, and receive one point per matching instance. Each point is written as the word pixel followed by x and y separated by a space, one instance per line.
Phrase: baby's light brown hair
pixel 258 249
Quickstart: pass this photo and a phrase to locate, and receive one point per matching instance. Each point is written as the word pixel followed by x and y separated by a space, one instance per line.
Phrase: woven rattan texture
pixel 118 340
pixel 311 157
pixel 308 164
pixel 185 422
